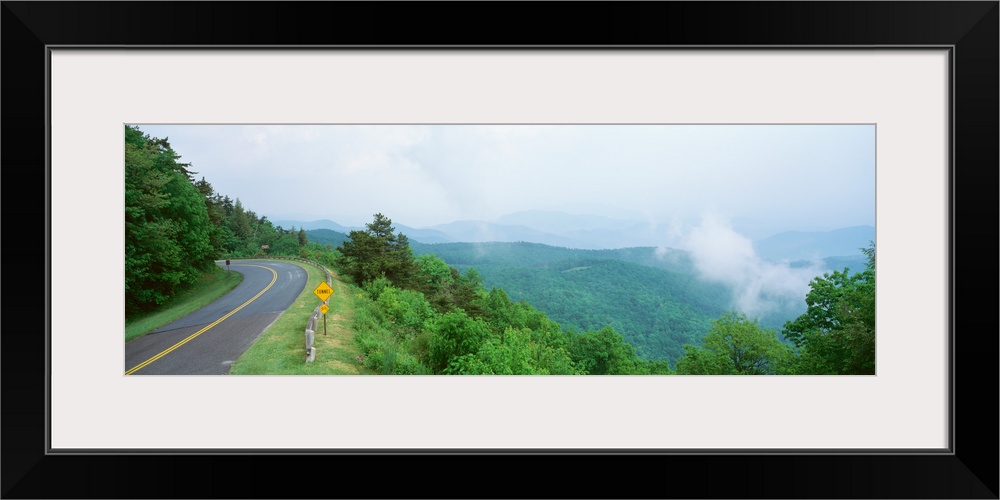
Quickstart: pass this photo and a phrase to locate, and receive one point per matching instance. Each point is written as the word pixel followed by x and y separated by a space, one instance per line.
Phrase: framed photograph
pixel 919 77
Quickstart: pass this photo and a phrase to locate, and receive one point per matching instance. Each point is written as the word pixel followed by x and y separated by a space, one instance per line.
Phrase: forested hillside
pixel 652 298
pixel 418 315
pixel 176 226
pixel 440 309
pixel 524 254
pixel 421 315
pixel 656 311
pixel 170 239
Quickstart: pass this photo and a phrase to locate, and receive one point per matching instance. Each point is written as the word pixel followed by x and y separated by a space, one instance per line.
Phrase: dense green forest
pixel 176 226
pixel 420 315
pixel 653 297
pixel 656 311
pixel 524 254
pixel 433 309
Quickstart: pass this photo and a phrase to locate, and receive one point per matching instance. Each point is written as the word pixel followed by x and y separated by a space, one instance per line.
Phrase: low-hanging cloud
pixel 759 287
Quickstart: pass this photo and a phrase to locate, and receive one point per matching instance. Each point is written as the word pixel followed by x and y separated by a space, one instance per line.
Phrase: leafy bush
pixel 454 335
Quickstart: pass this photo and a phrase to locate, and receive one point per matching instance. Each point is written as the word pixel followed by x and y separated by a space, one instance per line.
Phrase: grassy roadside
pixel 281 349
pixel 210 287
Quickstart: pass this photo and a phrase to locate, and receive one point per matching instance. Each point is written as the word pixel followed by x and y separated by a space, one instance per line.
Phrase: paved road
pixel 207 341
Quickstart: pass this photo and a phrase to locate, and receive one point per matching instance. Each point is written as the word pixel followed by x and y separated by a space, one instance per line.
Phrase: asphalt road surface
pixel 207 341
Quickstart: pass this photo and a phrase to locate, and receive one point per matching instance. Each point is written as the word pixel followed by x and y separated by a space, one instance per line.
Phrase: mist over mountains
pixel 807 245
pixel 767 277
pixel 598 232
pixel 586 271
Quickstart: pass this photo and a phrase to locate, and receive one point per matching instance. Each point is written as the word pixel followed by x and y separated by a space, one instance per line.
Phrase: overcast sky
pixel 764 178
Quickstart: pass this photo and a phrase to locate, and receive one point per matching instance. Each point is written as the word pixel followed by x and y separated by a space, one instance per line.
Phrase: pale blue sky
pixel 762 178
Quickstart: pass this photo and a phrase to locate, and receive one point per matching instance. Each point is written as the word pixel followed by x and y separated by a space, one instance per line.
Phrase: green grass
pixel 281 349
pixel 208 288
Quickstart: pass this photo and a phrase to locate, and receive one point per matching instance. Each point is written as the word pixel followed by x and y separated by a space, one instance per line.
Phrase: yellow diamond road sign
pixel 323 291
pixel 324 308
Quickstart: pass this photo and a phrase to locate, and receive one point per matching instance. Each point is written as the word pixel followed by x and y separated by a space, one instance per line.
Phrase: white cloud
pixel 759 287
pixel 789 176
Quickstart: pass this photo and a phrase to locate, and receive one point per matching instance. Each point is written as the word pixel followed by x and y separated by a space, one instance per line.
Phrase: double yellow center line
pixel 203 330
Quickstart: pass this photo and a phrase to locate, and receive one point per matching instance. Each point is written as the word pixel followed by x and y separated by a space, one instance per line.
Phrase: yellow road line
pixel 203 330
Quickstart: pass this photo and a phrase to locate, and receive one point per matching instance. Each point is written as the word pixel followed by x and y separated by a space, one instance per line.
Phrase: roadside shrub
pixel 454 334
pixel 406 310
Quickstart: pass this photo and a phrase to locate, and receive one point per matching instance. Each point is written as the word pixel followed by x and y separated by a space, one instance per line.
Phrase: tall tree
pixel 376 252
pixel 168 230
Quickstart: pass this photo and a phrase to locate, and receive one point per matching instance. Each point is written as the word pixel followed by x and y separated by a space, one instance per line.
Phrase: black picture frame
pixel 969 28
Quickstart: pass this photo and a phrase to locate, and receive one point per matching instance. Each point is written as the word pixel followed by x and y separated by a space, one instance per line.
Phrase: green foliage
pixel 168 232
pixel 656 311
pixel 702 361
pixel 506 355
pixel 324 254
pixel 176 227
pixel 375 287
pixel 497 309
pixel 447 323
pixel 464 291
pixel 406 309
pixel 605 352
pixel 514 352
pixel 659 368
pixel 551 360
pixel 392 329
pixel 737 345
pixel 524 254
pixel 446 288
pixel 326 237
pixel 455 334
pixel 441 321
pixel 434 272
pixel 836 335
pixel 411 334
pixel 382 350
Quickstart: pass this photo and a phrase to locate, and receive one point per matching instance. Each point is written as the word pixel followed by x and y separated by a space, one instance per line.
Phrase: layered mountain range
pixel 596 232
pixel 588 271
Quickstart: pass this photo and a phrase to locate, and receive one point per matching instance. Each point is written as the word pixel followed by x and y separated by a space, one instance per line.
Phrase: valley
pixel 657 298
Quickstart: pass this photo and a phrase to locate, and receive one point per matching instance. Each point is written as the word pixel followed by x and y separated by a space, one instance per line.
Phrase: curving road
pixel 207 341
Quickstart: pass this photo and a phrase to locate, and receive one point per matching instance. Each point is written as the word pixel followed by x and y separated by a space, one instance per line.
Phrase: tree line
pixel 176 226
pixel 655 310
pixel 419 315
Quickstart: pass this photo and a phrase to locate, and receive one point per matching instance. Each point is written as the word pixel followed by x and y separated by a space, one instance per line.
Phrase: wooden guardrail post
pixel 311 336
pixel 314 318
pixel 310 350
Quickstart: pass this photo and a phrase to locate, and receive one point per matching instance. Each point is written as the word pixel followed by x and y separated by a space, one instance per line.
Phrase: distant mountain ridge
pixel 316 224
pixel 809 245
pixel 561 222
pixel 653 296
pixel 422 235
pixel 477 231
pixel 588 232
pixel 595 232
